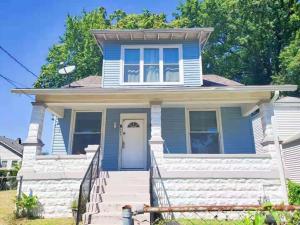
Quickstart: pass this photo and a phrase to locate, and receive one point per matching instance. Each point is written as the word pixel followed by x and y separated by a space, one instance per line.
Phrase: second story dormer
pixel 152 57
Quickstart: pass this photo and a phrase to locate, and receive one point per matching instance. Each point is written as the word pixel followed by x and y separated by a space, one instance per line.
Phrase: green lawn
pixel 7 216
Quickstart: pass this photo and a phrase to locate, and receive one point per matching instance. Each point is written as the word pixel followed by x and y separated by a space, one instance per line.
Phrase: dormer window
pixel 151 64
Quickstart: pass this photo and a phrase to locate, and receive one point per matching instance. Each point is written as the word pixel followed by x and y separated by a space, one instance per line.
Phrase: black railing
pixel 158 190
pixel 86 186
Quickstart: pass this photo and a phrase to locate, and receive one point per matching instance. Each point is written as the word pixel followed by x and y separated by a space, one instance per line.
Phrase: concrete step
pixel 109 207
pixel 126 189
pixel 115 197
pixel 116 219
pixel 121 174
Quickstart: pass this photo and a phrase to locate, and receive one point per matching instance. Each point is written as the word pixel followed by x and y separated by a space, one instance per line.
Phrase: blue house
pixel 153 109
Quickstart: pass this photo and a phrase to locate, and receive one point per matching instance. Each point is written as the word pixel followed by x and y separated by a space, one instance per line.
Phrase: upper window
pixel 151 64
pixel 204 133
pixel 171 65
pixel 132 65
pixel 87 131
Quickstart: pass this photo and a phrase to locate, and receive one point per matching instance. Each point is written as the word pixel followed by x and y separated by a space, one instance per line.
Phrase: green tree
pixel 290 63
pixel 77 47
pixel 248 38
pixel 146 20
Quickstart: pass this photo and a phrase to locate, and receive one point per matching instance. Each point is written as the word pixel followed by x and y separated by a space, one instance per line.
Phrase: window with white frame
pixel 204 132
pixel 152 64
pixel 87 131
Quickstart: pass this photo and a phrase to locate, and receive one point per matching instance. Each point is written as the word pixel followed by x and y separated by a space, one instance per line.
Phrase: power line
pixel 17 61
pixel 14 84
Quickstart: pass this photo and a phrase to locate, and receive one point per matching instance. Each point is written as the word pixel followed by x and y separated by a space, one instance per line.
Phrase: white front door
pixel 133 147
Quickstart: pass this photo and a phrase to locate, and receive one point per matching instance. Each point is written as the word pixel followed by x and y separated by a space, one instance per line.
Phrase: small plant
pixel 74 207
pixel 74 204
pixel 27 206
pixel 294 193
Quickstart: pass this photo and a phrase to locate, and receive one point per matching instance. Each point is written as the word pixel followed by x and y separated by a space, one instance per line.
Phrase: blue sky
pixel 28 28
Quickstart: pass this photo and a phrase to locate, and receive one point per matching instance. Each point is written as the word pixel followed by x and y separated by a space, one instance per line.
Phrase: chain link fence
pixel 8 183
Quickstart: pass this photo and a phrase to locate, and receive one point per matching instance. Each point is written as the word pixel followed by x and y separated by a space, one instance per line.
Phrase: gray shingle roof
pixel 12 145
pixel 209 80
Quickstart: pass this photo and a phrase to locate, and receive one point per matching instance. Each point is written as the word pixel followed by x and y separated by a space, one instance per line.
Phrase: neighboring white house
pixel 11 152
pixel 287 123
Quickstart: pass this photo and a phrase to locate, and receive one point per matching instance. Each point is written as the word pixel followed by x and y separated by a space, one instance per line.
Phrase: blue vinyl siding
pixel 237 131
pixel 191 64
pixel 111 144
pixel 112 63
pixel 61 133
pixel 173 129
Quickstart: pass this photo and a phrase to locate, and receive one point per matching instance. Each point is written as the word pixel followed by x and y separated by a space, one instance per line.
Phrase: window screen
pixel 87 131
pixel 204 135
pixel 132 65
pixel 171 64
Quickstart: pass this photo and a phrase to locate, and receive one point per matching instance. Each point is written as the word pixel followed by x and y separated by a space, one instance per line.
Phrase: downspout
pixel 275 97
pixel 279 153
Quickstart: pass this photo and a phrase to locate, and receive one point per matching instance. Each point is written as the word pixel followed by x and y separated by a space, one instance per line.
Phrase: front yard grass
pixel 7 207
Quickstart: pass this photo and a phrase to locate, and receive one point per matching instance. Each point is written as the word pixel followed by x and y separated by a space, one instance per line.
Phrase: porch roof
pixel 248 97
pixel 156 90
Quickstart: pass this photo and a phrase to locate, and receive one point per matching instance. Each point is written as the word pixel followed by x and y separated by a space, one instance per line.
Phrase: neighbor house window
pixel 87 131
pixel 14 163
pixel 152 64
pixel 3 163
pixel 204 134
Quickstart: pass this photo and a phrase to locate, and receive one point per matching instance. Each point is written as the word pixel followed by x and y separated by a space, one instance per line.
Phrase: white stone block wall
pixel 222 191
pixel 55 196
pixel 219 179
pixel 55 180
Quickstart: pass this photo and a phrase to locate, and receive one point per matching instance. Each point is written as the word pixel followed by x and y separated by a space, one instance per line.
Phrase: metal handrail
pixel 87 184
pixel 158 188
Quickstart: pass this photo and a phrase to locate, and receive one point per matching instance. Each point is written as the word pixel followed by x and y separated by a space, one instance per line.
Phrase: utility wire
pixel 17 61
pixel 14 84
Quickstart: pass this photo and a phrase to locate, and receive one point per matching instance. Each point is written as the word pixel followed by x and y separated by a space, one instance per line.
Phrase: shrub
pixel 27 206
pixel 294 193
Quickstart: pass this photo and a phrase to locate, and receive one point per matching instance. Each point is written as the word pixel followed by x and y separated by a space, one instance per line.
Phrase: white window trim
pixel 219 127
pixel 72 128
pixel 160 47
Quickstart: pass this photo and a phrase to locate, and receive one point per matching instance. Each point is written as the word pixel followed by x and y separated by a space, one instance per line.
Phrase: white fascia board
pixel 150 90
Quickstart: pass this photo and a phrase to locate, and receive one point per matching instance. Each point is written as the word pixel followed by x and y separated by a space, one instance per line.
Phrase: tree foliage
pixel 254 41
pixel 248 38
pixel 77 47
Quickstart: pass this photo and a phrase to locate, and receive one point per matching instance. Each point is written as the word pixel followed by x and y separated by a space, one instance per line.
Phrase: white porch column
pixel 271 144
pixel 156 142
pixel 33 144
